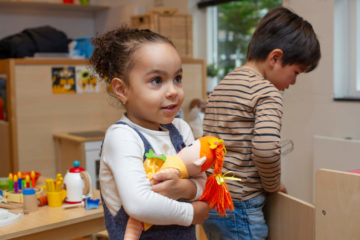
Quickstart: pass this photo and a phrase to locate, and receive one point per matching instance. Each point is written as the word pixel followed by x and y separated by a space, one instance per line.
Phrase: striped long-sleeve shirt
pixel 245 110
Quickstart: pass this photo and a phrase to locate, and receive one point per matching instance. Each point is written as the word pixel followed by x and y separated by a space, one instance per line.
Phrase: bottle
pixel 30 200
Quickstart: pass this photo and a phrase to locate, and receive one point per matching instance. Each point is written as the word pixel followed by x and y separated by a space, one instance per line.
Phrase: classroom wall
pixel 75 24
pixel 309 108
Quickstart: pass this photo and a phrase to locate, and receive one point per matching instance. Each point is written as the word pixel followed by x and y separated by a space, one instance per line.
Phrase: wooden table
pixel 55 223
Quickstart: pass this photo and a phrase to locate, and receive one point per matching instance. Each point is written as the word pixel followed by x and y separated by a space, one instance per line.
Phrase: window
pixel 229 29
pixel 346 49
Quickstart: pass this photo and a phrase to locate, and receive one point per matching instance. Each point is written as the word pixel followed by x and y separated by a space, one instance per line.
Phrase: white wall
pixel 78 24
pixel 199 29
pixel 75 24
pixel 309 108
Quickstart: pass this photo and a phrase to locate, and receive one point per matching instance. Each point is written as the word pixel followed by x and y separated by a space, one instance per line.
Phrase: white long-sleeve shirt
pixel 122 176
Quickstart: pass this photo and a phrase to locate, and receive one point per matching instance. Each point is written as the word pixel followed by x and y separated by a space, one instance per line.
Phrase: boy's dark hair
pixel 113 54
pixel 283 29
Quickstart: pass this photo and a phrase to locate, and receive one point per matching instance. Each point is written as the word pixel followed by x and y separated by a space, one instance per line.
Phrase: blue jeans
pixel 246 222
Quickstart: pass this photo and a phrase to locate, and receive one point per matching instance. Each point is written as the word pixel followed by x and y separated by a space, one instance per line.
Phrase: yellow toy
pixel 204 153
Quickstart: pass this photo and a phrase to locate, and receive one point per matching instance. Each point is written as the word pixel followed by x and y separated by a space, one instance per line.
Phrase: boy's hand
pixel 282 188
pixel 201 212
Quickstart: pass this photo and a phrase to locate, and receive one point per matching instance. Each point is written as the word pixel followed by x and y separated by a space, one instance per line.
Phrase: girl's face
pixel 154 92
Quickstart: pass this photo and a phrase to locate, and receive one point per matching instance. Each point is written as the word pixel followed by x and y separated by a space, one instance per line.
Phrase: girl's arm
pixel 172 186
pixel 124 148
pixel 184 188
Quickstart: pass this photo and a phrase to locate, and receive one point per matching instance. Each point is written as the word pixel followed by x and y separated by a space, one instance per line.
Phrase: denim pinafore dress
pixel 116 225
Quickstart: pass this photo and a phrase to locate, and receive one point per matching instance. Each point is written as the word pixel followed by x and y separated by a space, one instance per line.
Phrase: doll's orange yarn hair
pixel 216 192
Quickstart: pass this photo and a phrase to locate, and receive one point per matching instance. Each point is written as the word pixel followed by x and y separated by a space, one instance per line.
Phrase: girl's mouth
pixel 170 107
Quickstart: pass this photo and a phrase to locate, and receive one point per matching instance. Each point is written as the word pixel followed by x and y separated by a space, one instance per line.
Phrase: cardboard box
pixel 177 27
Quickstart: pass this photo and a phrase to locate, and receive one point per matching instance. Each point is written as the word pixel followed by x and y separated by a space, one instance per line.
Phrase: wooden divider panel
pixel 337 205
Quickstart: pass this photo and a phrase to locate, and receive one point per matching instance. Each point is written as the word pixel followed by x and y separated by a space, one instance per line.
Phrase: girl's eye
pixel 156 80
pixel 178 79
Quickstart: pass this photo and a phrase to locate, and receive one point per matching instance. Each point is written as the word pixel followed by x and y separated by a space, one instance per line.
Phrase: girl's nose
pixel 171 90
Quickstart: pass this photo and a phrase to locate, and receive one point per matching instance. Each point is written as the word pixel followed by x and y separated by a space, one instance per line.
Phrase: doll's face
pixel 191 158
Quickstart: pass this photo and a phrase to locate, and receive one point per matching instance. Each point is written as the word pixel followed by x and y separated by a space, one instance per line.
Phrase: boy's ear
pixel 120 89
pixel 275 56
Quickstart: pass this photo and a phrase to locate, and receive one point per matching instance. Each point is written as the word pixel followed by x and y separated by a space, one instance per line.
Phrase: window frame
pixel 346 50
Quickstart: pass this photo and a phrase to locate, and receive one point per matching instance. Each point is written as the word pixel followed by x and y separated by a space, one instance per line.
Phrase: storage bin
pixel 177 27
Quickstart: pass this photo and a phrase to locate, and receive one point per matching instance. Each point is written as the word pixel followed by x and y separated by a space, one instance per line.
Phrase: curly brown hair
pixel 114 50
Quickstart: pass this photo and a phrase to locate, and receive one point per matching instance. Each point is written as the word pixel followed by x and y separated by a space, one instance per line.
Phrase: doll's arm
pixel 133 230
pixel 199 180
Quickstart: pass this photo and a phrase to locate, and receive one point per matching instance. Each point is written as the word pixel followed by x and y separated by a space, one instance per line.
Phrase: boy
pixel 245 110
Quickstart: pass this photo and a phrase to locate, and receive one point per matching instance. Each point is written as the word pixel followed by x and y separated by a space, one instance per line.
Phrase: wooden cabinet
pixel 82 146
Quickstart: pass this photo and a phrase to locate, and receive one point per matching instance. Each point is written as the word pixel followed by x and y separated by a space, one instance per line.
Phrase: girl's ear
pixel 120 89
pixel 275 56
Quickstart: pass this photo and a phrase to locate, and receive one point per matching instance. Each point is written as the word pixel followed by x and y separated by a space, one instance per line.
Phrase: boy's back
pixel 245 110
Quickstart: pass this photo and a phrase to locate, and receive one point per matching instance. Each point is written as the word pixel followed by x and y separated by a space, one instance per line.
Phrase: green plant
pixel 212 70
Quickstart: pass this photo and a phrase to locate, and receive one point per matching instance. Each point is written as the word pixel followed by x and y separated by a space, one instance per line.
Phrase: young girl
pixel 145 73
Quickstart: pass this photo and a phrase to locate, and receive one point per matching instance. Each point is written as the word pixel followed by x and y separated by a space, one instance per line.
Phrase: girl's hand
pixel 201 212
pixel 170 185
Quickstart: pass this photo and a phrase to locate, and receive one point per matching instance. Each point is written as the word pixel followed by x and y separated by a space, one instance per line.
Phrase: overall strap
pixel 175 136
pixel 147 145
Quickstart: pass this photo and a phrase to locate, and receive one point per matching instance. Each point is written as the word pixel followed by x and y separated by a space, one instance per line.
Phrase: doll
pixel 204 153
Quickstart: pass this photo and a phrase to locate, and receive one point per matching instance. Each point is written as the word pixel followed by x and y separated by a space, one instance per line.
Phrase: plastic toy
pixel 5 183
pixel 18 181
pixel 204 153
pixel 77 183
pixel 91 203
pixel 17 196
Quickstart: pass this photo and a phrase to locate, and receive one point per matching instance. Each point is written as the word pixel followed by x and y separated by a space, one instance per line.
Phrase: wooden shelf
pixel 25 5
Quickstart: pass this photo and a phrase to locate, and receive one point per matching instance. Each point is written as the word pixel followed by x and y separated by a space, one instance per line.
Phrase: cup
pixel 30 201
pixel 55 199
